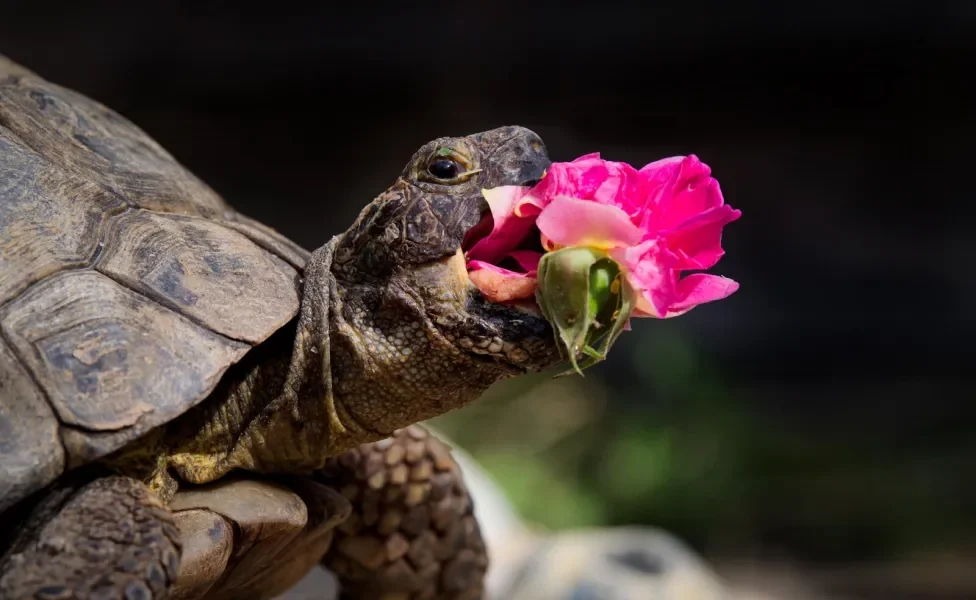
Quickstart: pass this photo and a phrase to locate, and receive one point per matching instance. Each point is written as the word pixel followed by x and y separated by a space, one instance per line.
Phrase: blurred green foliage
pixel 678 444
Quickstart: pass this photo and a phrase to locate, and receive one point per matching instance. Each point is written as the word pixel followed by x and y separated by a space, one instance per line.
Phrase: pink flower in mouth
pixel 655 223
pixel 496 264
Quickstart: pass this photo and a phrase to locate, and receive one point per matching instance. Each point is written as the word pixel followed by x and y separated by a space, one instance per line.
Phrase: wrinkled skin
pixel 391 332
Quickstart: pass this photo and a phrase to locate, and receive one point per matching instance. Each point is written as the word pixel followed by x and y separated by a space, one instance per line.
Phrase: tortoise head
pixel 425 338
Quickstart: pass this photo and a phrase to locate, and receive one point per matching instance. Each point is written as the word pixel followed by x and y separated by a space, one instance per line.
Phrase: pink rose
pixel 655 223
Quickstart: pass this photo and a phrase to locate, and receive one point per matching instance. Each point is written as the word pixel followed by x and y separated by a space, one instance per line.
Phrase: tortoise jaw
pixel 514 334
pixel 520 336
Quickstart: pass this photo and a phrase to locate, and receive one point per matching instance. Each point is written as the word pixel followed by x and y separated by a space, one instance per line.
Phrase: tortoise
pixel 194 406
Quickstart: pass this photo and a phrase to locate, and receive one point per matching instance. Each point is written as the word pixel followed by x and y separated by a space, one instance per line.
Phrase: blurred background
pixel 818 425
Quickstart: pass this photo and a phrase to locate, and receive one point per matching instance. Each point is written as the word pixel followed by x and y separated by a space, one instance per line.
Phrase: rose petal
pixel 501 285
pixel 564 178
pixel 508 230
pixel 573 222
pixel 647 267
pixel 624 188
pixel 529 205
pixel 659 168
pixel 700 288
pixel 591 178
pixel 698 241
pixel 528 260
pixel 677 189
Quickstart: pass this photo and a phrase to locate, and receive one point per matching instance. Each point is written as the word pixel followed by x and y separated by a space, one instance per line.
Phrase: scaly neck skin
pixel 360 361
pixel 273 412
pixel 392 365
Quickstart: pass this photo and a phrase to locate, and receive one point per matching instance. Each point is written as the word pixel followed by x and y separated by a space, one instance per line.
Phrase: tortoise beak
pixel 535 160
pixel 518 157
pixel 532 173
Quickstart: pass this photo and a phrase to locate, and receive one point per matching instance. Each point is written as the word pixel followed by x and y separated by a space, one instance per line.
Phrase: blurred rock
pixel 630 563
pixel 319 584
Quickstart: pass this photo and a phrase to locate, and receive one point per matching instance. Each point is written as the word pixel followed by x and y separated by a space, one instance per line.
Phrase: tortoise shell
pixel 127 285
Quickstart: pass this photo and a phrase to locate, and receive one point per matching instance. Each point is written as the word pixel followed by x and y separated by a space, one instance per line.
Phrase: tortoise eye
pixel 444 168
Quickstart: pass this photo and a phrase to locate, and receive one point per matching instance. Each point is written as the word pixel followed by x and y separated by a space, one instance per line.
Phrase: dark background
pixel 824 413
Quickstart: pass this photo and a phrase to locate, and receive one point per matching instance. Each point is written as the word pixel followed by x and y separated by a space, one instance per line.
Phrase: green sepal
pixel 628 300
pixel 585 298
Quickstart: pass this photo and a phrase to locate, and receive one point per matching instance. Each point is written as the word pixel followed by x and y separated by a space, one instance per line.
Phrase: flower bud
pixel 582 294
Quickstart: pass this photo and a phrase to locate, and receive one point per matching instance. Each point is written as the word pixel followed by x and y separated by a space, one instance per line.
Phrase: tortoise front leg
pixel 248 539
pixel 110 538
pixel 412 534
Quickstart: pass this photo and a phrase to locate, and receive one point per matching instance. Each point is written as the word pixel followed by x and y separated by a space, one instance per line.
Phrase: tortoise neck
pixel 273 412
pixel 236 427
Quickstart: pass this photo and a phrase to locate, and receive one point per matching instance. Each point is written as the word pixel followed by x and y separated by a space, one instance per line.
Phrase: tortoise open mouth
pixel 503 249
